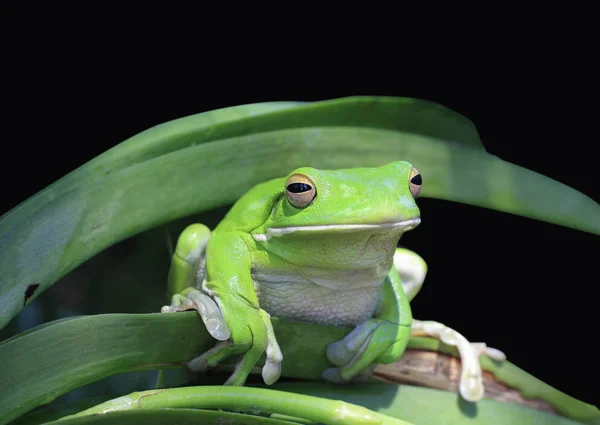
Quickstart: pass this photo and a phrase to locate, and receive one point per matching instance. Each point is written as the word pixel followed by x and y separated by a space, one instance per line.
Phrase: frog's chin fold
pixel 404 225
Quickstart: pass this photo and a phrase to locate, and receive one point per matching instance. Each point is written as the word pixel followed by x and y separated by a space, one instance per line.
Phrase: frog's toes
pixel 471 380
pixel 271 370
pixel 193 299
pixel 492 353
pixel 341 353
pixel 334 375
pixel 178 303
pixel 198 364
pixel 211 357
pixel 371 342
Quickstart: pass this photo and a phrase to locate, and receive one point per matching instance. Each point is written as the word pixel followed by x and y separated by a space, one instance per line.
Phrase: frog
pixel 318 246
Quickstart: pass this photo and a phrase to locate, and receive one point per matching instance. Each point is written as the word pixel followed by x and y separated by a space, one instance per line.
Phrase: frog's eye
pixel 300 190
pixel 415 182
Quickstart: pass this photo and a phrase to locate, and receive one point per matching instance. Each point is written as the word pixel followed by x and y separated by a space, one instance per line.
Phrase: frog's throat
pixel 405 225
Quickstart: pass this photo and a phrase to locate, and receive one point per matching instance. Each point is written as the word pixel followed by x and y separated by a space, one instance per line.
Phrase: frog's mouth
pixel 272 232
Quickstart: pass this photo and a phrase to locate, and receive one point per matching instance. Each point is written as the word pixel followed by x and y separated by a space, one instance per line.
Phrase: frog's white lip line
pixel 280 231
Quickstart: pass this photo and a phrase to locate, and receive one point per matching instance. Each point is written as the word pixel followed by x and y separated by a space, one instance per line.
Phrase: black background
pixel 523 286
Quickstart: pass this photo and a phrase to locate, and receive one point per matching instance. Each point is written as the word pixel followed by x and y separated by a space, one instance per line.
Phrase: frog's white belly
pixel 296 297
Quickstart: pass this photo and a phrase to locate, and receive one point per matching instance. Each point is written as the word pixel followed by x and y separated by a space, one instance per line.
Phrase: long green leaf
pixel 171 416
pixel 389 113
pixel 44 239
pixel 56 358
pixel 247 399
pixel 56 411
pixel 403 114
pixel 156 141
pixel 423 406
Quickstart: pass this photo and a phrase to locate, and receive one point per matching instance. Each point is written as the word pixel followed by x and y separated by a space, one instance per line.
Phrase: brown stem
pixel 441 371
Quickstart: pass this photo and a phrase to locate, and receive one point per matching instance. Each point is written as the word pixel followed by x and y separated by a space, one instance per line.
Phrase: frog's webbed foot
pixel 252 346
pixel 374 341
pixel 471 381
pixel 193 299
pixel 334 375
pixel 185 272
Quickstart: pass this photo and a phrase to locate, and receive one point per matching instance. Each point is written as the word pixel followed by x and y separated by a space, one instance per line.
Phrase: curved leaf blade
pixel 248 399
pixel 391 113
pixel 155 141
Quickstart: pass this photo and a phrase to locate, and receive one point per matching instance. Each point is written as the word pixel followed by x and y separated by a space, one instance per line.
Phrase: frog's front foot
pixel 471 381
pixel 193 299
pixel 251 337
pixel 374 341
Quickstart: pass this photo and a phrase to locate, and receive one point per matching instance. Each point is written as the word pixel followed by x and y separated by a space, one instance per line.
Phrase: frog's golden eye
pixel 415 182
pixel 300 190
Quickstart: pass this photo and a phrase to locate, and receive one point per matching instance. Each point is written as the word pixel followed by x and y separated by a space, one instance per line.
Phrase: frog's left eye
pixel 415 182
pixel 300 190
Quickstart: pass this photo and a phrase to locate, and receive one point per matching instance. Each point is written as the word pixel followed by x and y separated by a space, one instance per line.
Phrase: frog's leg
pixel 412 270
pixel 382 339
pixel 226 302
pixel 186 273
pixel 229 264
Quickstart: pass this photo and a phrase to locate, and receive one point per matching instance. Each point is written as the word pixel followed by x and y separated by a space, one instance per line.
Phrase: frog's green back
pixel 253 208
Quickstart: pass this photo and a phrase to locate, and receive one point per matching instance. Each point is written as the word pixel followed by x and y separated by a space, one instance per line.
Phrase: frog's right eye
pixel 300 190
pixel 415 182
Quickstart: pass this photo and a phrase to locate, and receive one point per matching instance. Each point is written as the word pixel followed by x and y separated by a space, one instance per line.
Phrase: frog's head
pixel 371 200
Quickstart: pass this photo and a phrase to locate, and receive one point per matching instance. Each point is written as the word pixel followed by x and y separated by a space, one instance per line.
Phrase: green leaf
pixel 428 406
pixel 55 358
pixel 201 162
pixel 158 140
pixel 56 411
pixel 171 416
pixel 246 399
pixel 409 115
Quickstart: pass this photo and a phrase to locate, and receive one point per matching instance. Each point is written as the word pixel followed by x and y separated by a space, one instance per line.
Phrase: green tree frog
pixel 319 246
